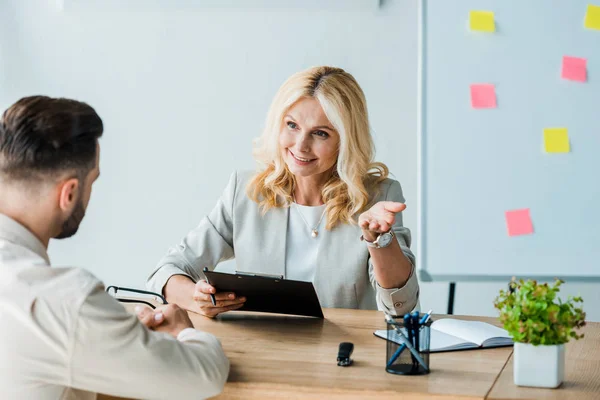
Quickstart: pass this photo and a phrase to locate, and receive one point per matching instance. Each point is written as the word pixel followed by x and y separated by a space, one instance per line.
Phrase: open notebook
pixel 454 334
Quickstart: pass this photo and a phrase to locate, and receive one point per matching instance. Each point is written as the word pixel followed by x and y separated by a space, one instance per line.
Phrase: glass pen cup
pixel 398 358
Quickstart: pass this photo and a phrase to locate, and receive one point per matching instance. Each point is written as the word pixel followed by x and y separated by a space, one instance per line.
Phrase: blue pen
pixel 396 354
pixel 416 333
pixel 408 324
pixel 416 329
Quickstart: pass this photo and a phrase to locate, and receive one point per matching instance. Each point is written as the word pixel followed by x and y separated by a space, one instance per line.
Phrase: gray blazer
pixel 235 228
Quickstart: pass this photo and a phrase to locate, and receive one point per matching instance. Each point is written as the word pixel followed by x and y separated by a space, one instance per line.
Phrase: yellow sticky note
pixel 482 21
pixel 592 17
pixel 556 140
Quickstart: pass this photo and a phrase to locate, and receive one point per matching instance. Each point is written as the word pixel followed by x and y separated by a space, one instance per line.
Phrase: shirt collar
pixel 14 232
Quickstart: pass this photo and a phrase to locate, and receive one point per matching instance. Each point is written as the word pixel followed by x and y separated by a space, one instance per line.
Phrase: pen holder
pixel 399 359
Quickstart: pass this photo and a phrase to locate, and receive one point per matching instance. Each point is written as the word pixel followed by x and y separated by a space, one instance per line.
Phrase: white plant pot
pixel 539 366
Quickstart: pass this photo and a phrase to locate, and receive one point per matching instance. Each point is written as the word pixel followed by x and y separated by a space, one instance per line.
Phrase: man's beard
pixel 71 225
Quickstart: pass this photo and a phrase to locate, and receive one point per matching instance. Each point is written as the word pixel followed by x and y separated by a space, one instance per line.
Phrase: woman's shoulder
pixel 239 181
pixel 387 188
pixel 242 177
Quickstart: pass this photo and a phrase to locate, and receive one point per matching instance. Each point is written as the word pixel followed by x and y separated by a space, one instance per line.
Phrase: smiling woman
pixel 316 154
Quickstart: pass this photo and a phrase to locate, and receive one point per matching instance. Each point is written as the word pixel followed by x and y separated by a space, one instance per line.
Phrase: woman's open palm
pixel 379 218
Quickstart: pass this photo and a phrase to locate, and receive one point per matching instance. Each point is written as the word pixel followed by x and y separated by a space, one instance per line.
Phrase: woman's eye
pixel 322 134
pixel 292 125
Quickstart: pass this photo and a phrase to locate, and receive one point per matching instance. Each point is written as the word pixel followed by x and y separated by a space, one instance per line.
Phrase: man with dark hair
pixel 61 335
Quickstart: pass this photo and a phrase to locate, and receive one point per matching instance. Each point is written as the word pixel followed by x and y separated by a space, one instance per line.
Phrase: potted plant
pixel 540 323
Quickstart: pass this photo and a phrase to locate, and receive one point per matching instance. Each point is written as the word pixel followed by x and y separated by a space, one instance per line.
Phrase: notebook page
pixel 438 341
pixel 498 341
pixel 471 331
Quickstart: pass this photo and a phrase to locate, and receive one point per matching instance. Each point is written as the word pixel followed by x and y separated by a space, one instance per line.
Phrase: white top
pixel 301 247
pixel 64 337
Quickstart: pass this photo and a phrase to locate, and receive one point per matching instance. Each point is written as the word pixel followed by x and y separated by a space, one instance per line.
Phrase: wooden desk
pixel 276 357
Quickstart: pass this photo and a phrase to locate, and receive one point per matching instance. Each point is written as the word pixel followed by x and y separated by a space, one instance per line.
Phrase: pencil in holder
pixel 399 359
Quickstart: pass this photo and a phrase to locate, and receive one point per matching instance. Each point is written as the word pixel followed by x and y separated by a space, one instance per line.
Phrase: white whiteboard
pixel 476 164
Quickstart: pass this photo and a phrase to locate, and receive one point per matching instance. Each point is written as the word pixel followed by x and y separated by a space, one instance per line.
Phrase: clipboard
pixel 269 293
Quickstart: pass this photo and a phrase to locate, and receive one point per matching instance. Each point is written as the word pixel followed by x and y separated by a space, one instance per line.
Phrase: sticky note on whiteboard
pixel 592 17
pixel 483 95
pixel 574 69
pixel 482 21
pixel 518 222
pixel 556 140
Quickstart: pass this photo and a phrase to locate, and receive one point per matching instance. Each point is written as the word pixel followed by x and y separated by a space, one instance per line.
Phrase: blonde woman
pixel 318 210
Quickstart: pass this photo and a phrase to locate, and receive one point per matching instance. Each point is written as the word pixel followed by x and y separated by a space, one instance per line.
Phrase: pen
pixel 416 330
pixel 413 352
pixel 212 296
pixel 396 354
pixel 408 324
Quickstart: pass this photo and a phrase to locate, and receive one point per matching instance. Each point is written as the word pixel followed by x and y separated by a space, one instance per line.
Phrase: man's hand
pixel 149 317
pixel 168 319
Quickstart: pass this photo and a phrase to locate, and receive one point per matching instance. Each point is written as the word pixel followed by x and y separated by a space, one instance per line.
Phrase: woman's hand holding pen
pixel 224 301
pixel 195 297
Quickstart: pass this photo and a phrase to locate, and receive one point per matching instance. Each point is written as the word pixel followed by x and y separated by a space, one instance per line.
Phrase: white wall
pixel 183 88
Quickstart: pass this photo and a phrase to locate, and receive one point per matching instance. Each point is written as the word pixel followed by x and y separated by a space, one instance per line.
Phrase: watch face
pixel 385 239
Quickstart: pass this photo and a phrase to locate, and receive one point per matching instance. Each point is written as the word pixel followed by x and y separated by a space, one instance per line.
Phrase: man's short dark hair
pixel 42 136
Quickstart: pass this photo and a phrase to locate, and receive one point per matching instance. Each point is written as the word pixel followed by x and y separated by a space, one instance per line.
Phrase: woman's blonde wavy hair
pixel 355 175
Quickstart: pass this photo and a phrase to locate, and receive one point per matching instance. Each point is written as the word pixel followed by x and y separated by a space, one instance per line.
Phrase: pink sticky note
pixel 574 69
pixel 519 222
pixel 483 95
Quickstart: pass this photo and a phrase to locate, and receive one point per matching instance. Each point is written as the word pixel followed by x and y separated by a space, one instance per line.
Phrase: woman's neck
pixel 308 191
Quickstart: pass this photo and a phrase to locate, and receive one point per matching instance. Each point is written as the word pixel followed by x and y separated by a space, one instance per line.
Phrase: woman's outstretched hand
pixel 379 219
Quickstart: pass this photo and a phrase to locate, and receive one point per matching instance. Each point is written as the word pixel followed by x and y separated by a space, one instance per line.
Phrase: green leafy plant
pixel 533 313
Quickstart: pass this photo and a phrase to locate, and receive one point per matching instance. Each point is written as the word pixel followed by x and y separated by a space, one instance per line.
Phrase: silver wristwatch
pixel 382 240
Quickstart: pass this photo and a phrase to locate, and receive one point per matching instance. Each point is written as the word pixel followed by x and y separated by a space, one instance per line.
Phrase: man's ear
pixel 68 195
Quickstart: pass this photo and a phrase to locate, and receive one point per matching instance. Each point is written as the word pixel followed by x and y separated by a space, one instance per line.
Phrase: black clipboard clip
pixel 243 273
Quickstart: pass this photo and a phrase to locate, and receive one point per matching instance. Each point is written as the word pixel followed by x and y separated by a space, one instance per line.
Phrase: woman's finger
pixel 390 218
pixel 207 305
pixel 227 303
pixel 364 224
pixel 199 296
pixel 225 296
pixel 393 206
pixel 384 227
pixel 203 287
pixel 216 311
pixel 374 226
